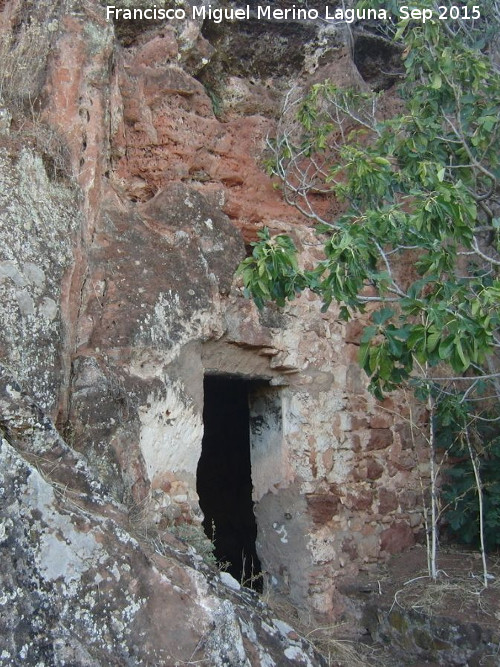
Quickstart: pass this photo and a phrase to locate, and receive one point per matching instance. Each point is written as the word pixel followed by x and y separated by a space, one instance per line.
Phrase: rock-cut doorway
pixel 224 476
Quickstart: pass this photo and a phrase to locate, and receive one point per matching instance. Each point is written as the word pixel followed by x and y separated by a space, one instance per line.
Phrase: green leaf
pixel 381 316
pixel 460 351
pixel 445 347
pixel 364 350
pixel 368 334
pixel 432 340
pixel 436 81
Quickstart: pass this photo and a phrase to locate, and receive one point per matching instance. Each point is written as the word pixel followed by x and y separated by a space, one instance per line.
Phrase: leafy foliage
pixel 272 257
pixel 420 190
pixel 460 492
pixel 418 243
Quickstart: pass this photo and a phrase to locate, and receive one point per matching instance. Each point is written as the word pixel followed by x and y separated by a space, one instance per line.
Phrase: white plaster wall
pixel 308 429
pixel 266 441
pixel 171 434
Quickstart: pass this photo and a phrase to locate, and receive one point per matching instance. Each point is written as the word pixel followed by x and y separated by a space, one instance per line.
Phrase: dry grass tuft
pixel 459 588
pixel 23 60
pixel 330 640
pixel 24 54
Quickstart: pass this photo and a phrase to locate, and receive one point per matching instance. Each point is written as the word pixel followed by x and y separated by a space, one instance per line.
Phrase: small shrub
pixel 460 493
pixel 23 62
pixel 194 536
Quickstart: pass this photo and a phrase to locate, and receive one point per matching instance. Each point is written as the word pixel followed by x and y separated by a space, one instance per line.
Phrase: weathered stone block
pixel 322 508
pixel 374 469
pixel 380 438
pixel 387 501
pixel 396 538
pixel 362 500
pixel 383 420
pixel 398 621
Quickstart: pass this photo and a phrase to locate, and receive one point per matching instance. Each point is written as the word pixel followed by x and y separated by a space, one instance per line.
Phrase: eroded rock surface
pixel 78 589
pixel 132 174
pixel 37 221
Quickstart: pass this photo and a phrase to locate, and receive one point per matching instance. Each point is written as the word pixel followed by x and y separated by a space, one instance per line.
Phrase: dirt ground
pixel 458 593
pixel 403 581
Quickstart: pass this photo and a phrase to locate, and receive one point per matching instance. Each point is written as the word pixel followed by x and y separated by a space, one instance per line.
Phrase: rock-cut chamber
pixel 224 477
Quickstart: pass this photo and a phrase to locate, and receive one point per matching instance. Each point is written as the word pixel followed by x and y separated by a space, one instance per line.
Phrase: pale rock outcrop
pixel 79 589
pixel 38 219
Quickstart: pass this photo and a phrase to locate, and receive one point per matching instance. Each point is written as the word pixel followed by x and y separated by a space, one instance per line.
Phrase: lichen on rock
pixel 131 183
pixel 37 220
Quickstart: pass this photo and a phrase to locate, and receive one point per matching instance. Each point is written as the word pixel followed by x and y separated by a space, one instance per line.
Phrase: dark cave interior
pixel 224 477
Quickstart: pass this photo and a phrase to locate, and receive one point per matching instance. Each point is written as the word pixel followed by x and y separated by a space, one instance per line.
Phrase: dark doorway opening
pixel 224 477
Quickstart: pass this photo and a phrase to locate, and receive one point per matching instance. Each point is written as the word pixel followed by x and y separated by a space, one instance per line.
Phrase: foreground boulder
pixel 78 589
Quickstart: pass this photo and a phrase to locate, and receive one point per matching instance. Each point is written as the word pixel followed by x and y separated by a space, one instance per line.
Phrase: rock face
pixel 78 589
pixel 436 638
pixel 131 177
pixel 38 219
